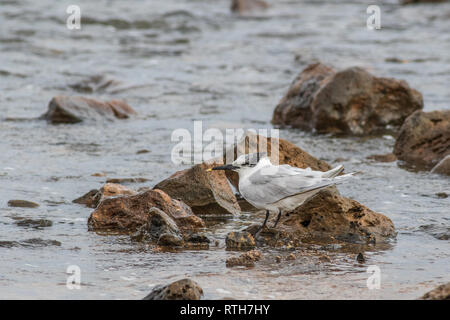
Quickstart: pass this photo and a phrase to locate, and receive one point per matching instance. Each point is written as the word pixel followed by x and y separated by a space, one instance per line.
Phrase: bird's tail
pixel 333 172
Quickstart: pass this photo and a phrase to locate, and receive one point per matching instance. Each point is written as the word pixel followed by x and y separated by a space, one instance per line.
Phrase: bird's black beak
pixel 225 167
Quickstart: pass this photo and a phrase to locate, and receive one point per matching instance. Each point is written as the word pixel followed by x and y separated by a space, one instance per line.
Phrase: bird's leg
pixel 278 219
pixel 265 221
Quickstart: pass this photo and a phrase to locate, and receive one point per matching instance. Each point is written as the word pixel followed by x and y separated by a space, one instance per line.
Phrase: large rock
pixel 184 289
pixel 65 109
pixel 94 197
pixel 329 217
pixel 440 293
pixel 127 213
pixel 205 192
pixel 288 153
pixel 351 101
pixel 243 6
pixel 424 139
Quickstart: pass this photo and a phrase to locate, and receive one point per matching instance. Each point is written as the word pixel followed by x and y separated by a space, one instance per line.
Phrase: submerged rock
pixel 329 217
pixel 351 101
pixel 240 241
pixel 22 204
pixel 128 213
pixel 424 139
pixel 65 109
pixel 159 228
pixel 94 197
pixel 242 6
pixel 205 192
pixel 34 223
pixel 246 259
pixel 184 289
pixel 440 293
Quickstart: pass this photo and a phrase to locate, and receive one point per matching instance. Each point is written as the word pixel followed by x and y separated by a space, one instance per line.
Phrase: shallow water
pixel 193 60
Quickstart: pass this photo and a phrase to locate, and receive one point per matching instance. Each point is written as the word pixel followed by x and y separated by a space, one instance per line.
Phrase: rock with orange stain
pixel 127 213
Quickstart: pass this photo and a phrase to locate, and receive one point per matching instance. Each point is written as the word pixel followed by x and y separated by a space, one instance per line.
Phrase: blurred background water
pixel 180 61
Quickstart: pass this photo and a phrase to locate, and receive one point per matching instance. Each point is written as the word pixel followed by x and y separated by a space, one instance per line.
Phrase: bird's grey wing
pixel 270 185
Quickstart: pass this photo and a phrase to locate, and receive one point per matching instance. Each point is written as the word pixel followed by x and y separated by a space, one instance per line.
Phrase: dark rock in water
pixel 97 83
pixel 94 197
pixel 389 157
pixel 288 153
pixel 90 199
pixel 443 167
pixel 65 109
pixel 329 217
pixel 440 293
pixel 37 224
pixel 22 204
pixel 34 242
pixel 351 101
pixel 126 180
pixel 184 289
pixel 424 139
pixel 442 195
pixel 240 241
pixel 159 228
pixel 440 232
pixel 246 259
pixel 205 192
pixel 198 238
pixel 242 6
pixel 170 240
pixel 360 258
pixel 128 213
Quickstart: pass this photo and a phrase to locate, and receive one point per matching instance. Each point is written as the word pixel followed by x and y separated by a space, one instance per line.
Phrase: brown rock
pixel 443 167
pixel 127 213
pixel 288 154
pixel 240 241
pixel 205 192
pixel 22 204
pixel 242 6
pixel 94 197
pixel 351 101
pixel 65 109
pixel 424 139
pixel 184 289
pixel 246 259
pixel 440 293
pixel 329 217
pixel 291 257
